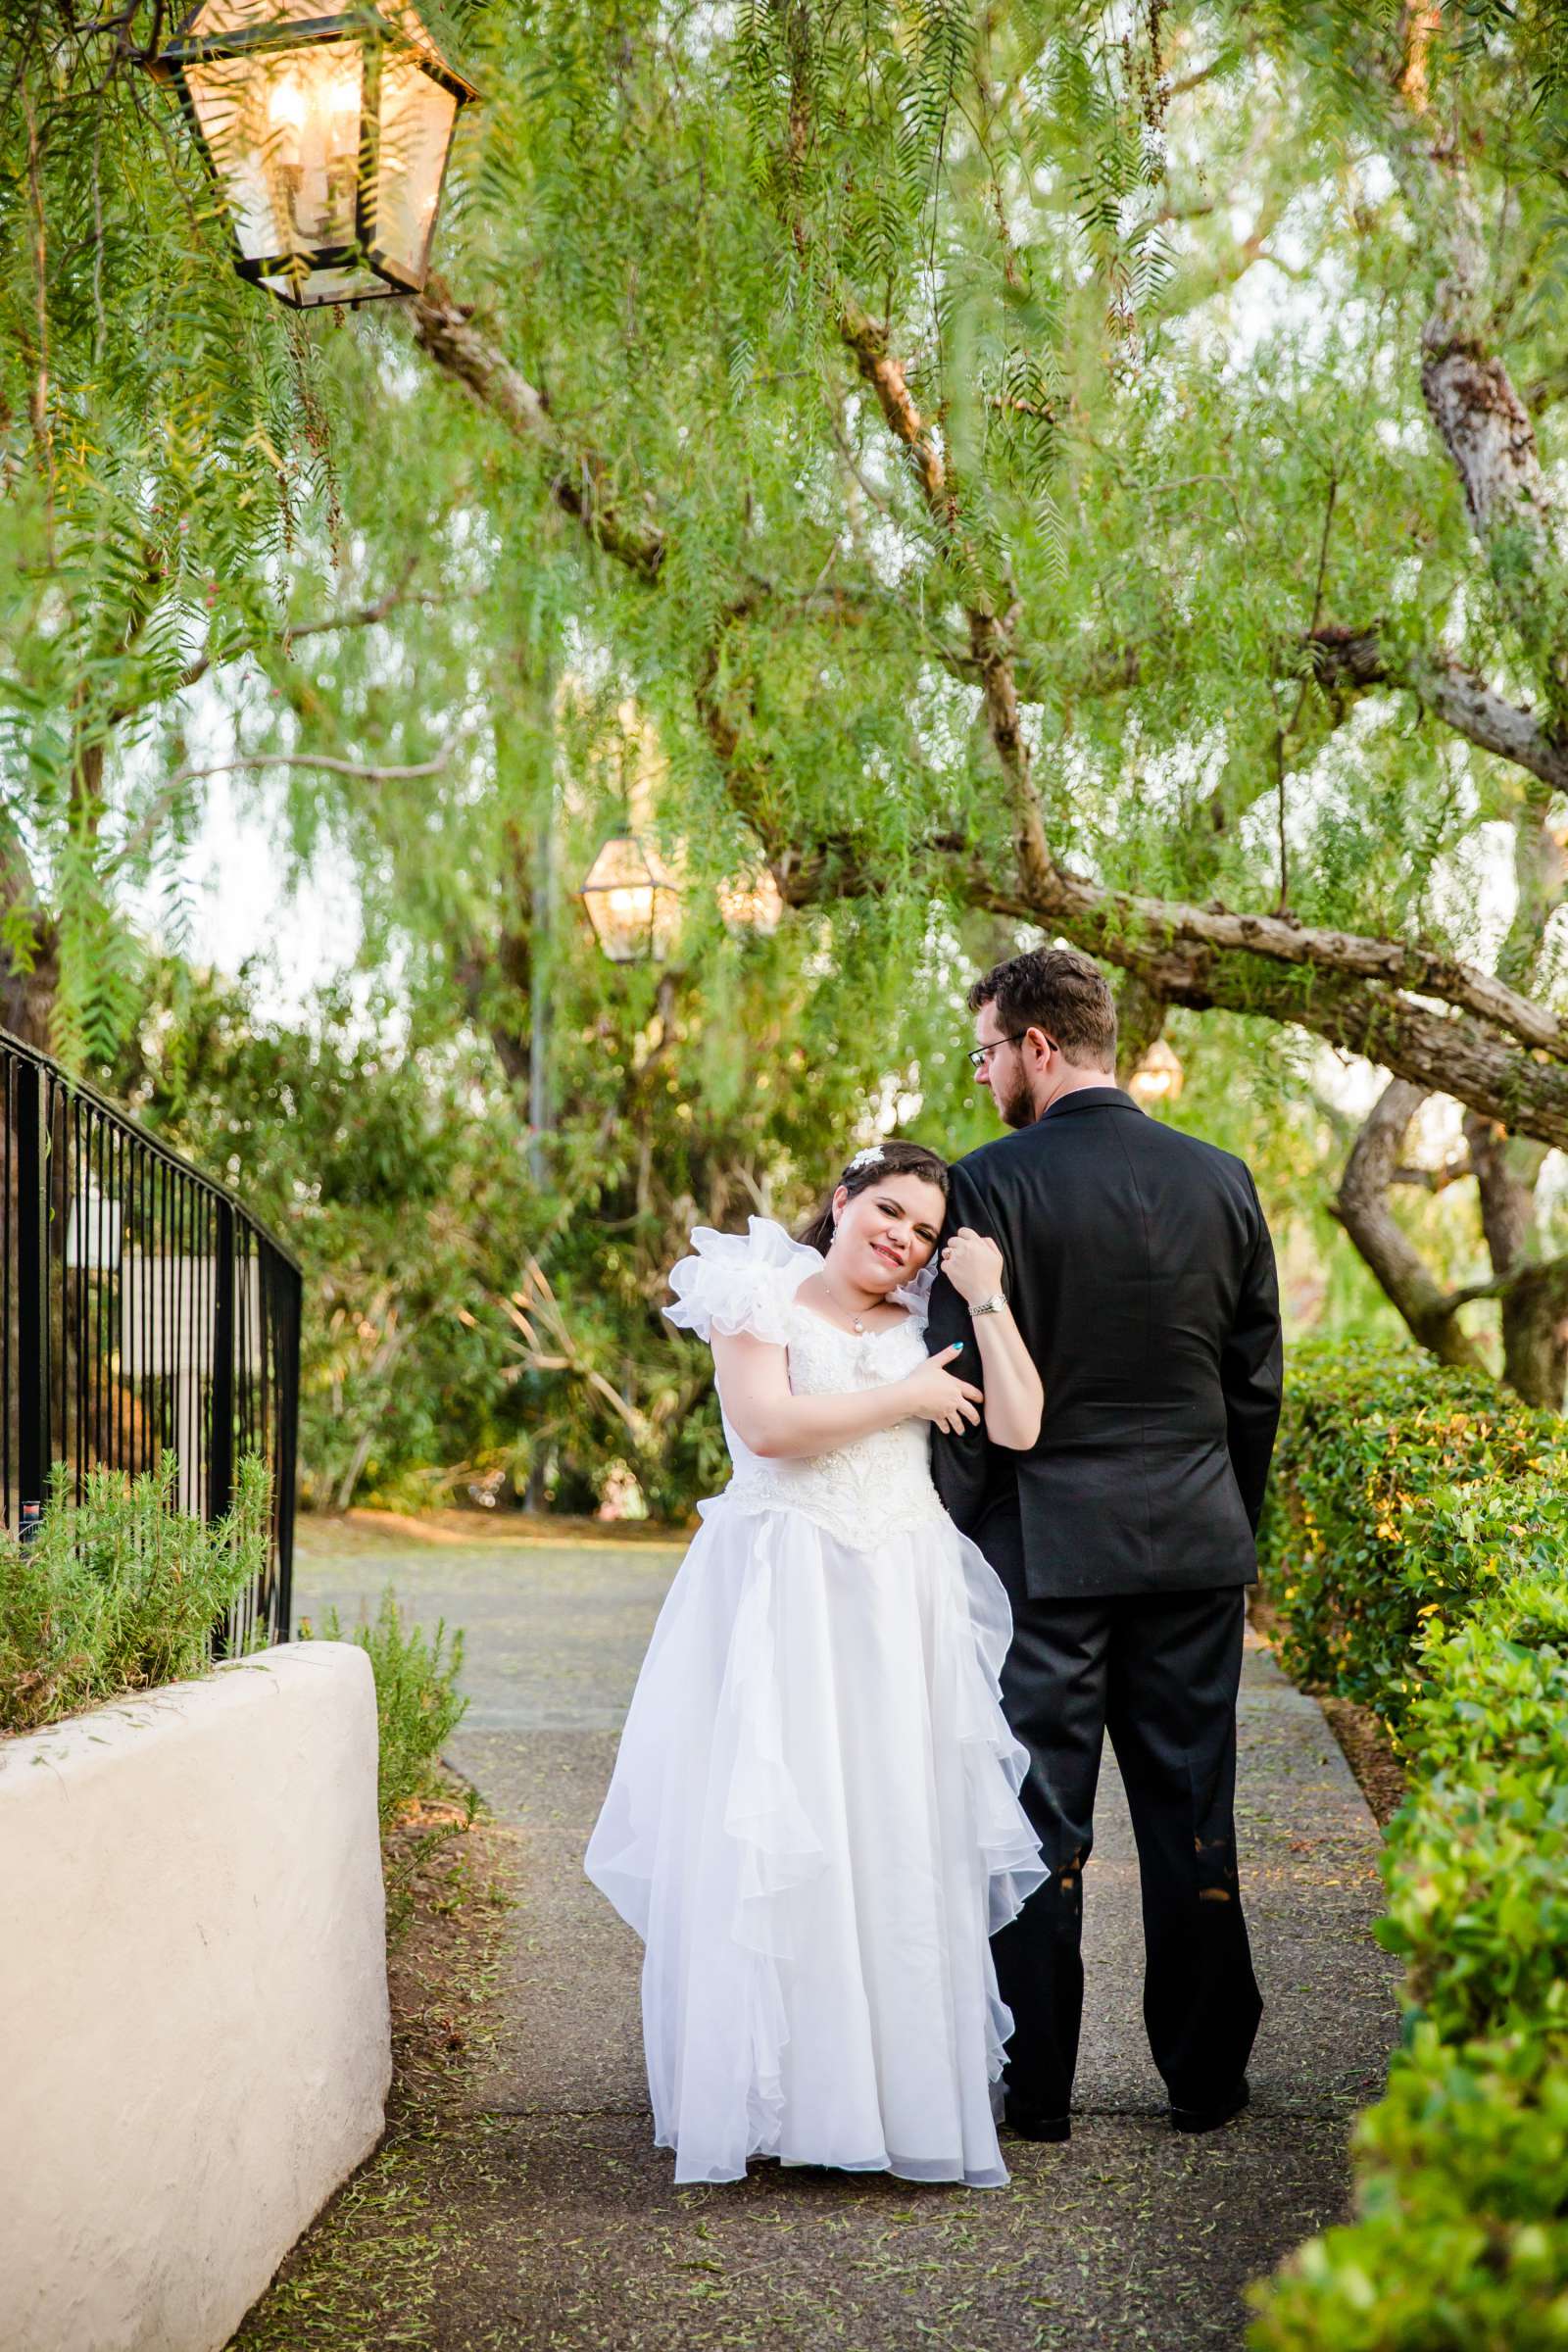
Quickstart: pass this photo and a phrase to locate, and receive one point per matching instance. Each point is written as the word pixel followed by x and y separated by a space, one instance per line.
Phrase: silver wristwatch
pixel 990 1307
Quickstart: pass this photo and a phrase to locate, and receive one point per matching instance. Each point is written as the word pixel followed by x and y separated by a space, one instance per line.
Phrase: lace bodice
pixel 861 1492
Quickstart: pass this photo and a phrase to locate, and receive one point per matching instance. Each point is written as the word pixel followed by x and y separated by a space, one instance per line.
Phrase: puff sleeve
pixel 740 1282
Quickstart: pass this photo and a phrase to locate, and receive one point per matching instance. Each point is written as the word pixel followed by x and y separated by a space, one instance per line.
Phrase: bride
pixel 814 1823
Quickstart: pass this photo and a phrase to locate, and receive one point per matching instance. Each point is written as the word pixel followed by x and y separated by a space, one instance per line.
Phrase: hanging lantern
pixel 631 902
pixel 751 903
pixel 1158 1076
pixel 328 137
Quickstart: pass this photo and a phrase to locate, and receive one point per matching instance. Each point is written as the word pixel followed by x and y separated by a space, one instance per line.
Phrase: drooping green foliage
pixel 163 462
pixel 1166 328
pixel 835 377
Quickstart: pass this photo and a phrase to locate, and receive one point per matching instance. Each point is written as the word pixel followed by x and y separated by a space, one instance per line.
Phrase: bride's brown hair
pixel 894 1158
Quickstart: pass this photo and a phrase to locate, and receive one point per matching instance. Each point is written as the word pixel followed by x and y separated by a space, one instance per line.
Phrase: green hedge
pixel 1414 1552
pixel 1402 1494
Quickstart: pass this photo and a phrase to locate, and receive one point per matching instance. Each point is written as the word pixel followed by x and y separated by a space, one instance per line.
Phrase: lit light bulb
pixel 342 99
pixel 315 111
pixel 285 103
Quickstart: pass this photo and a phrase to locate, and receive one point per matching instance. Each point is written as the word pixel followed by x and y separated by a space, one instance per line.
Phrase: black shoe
pixel 1024 2125
pixel 1210 2118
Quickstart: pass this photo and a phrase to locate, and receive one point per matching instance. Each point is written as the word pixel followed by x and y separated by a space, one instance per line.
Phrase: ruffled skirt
pixel 814 1827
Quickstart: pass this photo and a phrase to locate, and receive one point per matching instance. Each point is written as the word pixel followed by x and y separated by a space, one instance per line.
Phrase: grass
pixel 368 2274
pixel 364 1531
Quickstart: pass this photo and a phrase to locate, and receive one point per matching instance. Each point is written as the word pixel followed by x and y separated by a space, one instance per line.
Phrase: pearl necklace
pixel 855 1324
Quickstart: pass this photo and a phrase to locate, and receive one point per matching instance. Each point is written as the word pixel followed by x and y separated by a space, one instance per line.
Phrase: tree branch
pixel 535 1309
pixel 1440 1051
pixel 1345 988
pixel 1138 931
pixel 1434 1180
pixel 1358 660
pixel 1470 397
pixel 322 760
pixel 1362 1207
pixel 990 633
pixel 1530 1292
pixel 216 656
pixel 581 484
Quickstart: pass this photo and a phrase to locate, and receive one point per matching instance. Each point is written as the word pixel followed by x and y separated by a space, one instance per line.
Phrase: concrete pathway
pixel 1130 2236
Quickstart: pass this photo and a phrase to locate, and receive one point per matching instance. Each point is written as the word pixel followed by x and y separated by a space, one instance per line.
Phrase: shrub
pixel 416 1698
pixel 1414 1552
pixel 1402 1493
pixel 1461 2245
pixel 1477 1862
pixel 120 1592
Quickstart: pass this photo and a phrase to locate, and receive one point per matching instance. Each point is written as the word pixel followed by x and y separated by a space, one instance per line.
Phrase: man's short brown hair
pixel 1058 991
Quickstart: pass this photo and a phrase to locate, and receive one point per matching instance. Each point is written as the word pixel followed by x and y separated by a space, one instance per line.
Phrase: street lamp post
pixel 327 136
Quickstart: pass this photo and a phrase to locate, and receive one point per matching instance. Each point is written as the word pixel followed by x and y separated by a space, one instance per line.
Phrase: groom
pixel 1139 1270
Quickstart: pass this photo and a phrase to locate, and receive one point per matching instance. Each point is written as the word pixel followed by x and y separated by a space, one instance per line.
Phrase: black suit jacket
pixel 1141 1272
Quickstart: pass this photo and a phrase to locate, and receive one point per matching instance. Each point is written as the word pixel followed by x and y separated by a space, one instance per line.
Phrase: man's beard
pixel 1017 1107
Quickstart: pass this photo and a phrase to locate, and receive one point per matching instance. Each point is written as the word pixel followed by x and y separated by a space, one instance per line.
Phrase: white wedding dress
pixel 813 1822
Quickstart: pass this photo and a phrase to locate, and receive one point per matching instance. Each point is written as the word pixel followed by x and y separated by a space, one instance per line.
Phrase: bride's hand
pixel 973 1265
pixel 937 1395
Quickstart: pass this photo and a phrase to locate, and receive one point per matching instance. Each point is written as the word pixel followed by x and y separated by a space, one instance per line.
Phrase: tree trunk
pixel 1535 1335
pixel 27 1002
pixel 1535 1331
pixel 1362 1207
pixel 1139 1018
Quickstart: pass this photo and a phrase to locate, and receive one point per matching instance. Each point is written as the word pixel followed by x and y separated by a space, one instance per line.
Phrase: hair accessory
pixel 872 1157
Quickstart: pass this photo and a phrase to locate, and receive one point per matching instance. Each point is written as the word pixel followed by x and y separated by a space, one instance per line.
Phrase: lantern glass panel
pixel 667 920
pixel 631 902
pixel 215 18
pixel 418 119
pixel 283 129
pixel 623 921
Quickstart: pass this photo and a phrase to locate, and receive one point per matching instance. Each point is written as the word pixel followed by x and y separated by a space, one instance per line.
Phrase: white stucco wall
pixel 194 2038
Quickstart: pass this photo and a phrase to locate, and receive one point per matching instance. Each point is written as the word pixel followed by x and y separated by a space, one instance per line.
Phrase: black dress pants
pixel 1159 1672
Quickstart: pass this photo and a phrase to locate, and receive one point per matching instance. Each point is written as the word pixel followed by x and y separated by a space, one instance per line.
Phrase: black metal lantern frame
pixel 630 900
pixel 380 259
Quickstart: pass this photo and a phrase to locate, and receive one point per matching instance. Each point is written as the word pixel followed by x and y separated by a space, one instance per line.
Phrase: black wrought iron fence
pixel 143 1309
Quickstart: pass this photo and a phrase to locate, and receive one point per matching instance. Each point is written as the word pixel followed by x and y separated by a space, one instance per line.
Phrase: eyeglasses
pixel 979 1056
